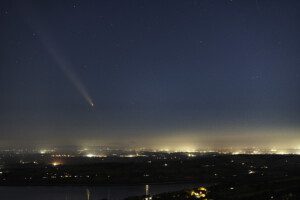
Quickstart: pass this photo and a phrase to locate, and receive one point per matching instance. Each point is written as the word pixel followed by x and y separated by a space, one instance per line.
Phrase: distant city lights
pixel 56 164
pixel 90 155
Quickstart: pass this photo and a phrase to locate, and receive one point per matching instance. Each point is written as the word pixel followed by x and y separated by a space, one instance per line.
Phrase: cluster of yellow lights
pixel 45 151
pixel 61 155
pixel 90 155
pixel 131 155
pixel 200 193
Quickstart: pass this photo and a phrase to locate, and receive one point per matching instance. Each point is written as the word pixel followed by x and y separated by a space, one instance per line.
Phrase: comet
pixel 65 67
pixel 52 47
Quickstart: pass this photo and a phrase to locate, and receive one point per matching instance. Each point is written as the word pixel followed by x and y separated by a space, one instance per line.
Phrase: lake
pixel 80 193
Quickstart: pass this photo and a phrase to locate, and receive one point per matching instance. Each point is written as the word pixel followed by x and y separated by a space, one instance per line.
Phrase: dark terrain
pixel 227 176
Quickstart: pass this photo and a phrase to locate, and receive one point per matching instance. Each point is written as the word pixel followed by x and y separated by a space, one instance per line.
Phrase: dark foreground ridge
pixel 283 189
pixel 222 176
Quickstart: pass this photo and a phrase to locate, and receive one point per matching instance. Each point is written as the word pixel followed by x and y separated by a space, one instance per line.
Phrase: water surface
pixel 80 193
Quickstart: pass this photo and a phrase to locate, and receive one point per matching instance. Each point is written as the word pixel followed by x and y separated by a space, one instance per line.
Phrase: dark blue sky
pixel 201 72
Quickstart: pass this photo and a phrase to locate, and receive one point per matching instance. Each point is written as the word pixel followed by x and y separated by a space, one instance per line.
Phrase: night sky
pixel 161 74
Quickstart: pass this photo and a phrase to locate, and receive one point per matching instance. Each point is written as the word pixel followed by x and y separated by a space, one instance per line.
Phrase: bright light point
pixel 43 151
pixel 236 152
pixel 191 155
pixel 56 163
pixel 273 150
pixel 131 155
pixel 90 155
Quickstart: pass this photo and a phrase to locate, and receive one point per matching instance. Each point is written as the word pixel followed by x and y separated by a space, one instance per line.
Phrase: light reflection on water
pixel 80 193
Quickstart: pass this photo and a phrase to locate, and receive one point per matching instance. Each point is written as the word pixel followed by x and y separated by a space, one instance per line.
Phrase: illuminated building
pixel 199 193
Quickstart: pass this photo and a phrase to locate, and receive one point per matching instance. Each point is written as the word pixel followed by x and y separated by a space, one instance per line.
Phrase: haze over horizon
pixel 162 74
